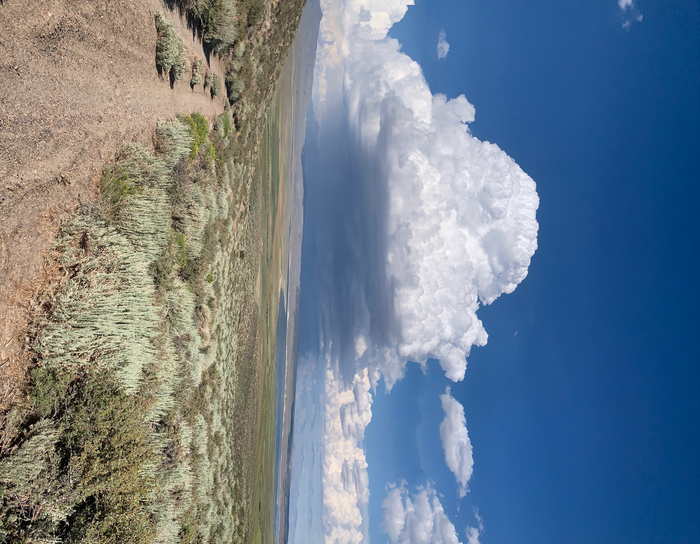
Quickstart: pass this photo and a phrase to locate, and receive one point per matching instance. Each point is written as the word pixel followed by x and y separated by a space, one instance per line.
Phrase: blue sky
pixel 583 409
pixel 585 425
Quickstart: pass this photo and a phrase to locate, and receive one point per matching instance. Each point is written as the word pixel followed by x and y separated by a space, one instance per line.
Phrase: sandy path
pixel 77 79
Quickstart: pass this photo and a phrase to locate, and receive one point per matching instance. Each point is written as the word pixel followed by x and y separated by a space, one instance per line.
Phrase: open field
pixel 275 258
pixel 290 104
pixel 146 409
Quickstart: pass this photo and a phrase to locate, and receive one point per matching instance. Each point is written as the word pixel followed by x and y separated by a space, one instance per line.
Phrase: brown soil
pixel 77 79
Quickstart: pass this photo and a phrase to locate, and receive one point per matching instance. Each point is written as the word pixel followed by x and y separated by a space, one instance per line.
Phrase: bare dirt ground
pixel 77 79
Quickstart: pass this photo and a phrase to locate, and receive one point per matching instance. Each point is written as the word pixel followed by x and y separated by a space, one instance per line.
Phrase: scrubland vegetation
pixel 170 52
pixel 222 23
pixel 108 447
pixel 142 411
pixel 248 33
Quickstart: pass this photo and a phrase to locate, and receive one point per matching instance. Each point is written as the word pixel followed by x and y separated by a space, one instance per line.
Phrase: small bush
pixel 208 80
pixel 255 12
pixel 215 86
pixel 166 45
pixel 221 30
pixel 240 49
pixel 217 19
pixel 196 78
pixel 234 87
pixel 84 469
pixel 178 70
pixel 174 260
pixel 118 185
pixel 170 56
pixel 209 154
pixel 225 124
pixel 199 127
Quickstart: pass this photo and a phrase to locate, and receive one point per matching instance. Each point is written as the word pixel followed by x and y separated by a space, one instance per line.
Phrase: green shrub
pixel 215 86
pixel 208 80
pixel 199 129
pixel 170 55
pixel 196 78
pixel 173 141
pixel 178 70
pixel 117 185
pixel 224 124
pixel 240 49
pixel 234 87
pixel 84 470
pixel 166 44
pixel 256 10
pixel 221 30
pixel 217 19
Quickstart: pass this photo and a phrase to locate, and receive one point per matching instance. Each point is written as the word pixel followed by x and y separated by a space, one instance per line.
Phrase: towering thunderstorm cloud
pixel 460 214
pixel 415 223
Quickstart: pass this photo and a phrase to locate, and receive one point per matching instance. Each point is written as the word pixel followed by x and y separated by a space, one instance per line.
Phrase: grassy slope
pixel 170 373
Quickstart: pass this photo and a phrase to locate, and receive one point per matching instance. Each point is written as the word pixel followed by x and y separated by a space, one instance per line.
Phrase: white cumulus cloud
pixel 455 441
pixel 343 21
pixel 461 213
pixel 416 519
pixel 348 411
pixel 460 224
pixel 442 47
pixel 306 489
pixel 473 533
pixel 630 13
